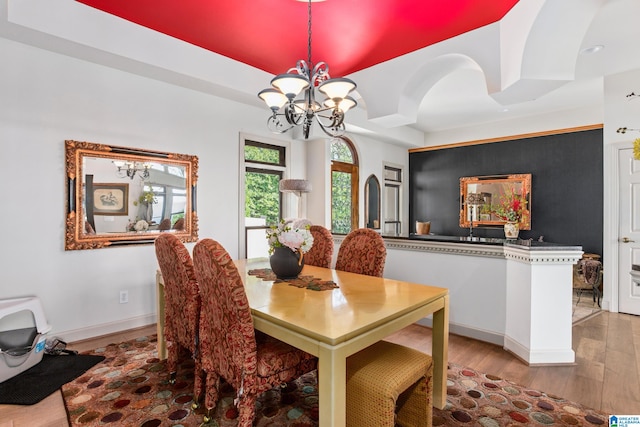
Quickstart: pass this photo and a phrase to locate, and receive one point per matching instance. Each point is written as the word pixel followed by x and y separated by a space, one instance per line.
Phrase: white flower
pixel 141 225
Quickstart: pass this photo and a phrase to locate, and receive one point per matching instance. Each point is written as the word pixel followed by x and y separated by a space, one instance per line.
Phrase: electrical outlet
pixel 124 297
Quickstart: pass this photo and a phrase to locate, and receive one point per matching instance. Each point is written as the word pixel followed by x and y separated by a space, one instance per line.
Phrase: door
pixel 629 232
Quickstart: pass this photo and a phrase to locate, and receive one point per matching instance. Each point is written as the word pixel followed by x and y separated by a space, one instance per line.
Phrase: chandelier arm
pixel 275 125
pixel 332 131
pixel 320 73
pixel 335 119
pixel 293 117
pixel 302 68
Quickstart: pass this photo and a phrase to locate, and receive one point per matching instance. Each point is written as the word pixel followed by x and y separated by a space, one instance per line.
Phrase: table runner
pixel 307 282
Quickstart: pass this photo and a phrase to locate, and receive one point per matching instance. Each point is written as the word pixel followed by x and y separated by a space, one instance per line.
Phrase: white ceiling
pixel 526 65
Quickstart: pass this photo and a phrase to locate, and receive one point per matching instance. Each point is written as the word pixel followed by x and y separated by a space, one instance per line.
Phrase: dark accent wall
pixel 566 188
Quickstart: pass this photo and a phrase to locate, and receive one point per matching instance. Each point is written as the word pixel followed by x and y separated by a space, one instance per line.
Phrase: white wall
pixel 48 98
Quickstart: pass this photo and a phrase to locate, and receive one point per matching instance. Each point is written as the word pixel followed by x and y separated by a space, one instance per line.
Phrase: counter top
pixel 457 239
pixel 516 243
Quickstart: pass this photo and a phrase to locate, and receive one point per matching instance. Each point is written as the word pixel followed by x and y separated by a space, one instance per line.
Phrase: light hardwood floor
pixel 606 375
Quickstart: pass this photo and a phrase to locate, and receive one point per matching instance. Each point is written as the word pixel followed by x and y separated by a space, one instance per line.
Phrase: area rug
pixel 39 381
pixel 131 388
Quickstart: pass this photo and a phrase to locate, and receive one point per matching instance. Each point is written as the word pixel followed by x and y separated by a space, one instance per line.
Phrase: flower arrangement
pixel 284 235
pixel 147 197
pixel 138 225
pixel 512 207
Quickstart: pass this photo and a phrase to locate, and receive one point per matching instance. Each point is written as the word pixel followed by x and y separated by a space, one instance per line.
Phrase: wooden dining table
pixel 335 323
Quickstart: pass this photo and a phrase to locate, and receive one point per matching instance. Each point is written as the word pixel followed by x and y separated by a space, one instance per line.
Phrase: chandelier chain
pixel 309 36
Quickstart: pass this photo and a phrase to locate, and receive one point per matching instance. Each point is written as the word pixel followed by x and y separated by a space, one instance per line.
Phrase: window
pixel 344 186
pixel 392 201
pixel 170 202
pixel 264 168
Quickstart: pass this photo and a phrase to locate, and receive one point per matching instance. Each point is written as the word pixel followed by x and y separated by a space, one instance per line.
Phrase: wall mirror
pixel 372 202
pixel 119 196
pixel 480 197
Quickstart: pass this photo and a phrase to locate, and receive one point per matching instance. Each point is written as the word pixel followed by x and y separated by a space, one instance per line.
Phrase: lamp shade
pixel 273 98
pixel 344 105
pixel 337 88
pixel 295 186
pixel 290 84
pixel 474 199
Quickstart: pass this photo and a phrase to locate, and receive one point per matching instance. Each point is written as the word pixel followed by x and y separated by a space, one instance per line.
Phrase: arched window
pixel 344 186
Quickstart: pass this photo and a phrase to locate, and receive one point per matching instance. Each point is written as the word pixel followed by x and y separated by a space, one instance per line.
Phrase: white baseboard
pixel 539 357
pixel 106 328
pixel 466 331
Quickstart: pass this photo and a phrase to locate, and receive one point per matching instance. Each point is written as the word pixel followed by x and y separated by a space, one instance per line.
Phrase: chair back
pixel 227 337
pixel 164 225
pixel 362 251
pixel 321 252
pixel 181 290
pixel 179 224
pixel 591 271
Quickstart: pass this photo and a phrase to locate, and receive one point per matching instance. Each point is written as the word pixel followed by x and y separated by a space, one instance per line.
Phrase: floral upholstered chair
pixel 322 250
pixel 249 361
pixel 165 225
pixel 179 224
pixel 182 298
pixel 362 251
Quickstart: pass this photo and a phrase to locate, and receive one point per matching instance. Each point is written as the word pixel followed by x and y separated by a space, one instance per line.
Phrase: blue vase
pixel 285 263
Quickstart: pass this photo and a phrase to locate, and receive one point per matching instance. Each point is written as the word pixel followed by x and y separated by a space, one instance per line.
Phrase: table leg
pixel 332 387
pixel 162 345
pixel 440 354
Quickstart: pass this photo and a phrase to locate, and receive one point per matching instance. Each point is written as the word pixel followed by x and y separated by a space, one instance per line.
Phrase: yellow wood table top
pixel 359 304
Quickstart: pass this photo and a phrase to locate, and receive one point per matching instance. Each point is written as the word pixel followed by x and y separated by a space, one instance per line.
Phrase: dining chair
pixel 182 299
pixel 179 224
pixel 230 348
pixel 362 251
pixel 590 271
pixel 321 252
pixel 164 225
pixel 389 385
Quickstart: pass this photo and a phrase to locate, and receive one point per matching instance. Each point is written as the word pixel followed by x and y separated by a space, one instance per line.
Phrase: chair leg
pixel 211 393
pixel 173 350
pixel 246 410
pixel 198 385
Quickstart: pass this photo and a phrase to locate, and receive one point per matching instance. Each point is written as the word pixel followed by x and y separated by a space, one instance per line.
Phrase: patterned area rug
pixel 131 388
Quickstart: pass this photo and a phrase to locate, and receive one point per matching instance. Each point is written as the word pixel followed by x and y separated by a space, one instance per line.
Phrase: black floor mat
pixel 38 382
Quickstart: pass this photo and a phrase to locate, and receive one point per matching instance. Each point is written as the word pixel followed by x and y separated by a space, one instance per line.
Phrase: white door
pixel 629 233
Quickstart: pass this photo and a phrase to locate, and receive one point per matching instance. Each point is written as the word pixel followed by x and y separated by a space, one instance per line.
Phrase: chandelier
pixel 130 169
pixel 290 110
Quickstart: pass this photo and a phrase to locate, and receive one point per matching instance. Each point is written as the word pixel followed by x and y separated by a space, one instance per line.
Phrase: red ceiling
pixel 349 35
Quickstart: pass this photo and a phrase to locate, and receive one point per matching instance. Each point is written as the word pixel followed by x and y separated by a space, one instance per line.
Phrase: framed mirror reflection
pixel 120 195
pixel 491 201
